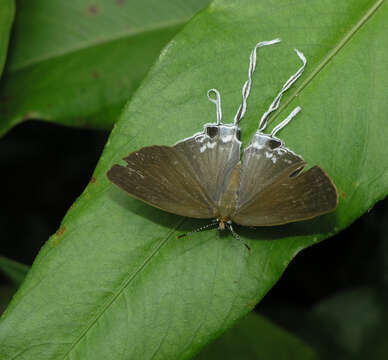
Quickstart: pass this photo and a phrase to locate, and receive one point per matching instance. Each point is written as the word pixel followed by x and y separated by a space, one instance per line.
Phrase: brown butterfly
pixel 202 176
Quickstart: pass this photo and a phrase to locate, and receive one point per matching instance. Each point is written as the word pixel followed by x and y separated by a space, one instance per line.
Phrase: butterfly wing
pixel 274 190
pixel 212 154
pixel 183 179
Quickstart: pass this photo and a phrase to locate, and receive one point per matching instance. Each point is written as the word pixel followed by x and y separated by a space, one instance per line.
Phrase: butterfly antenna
pixel 275 104
pixel 216 101
pixel 198 230
pixel 247 86
pixel 280 126
pixel 237 236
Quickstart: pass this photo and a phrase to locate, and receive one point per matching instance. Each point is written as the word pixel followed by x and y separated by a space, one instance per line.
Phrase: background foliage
pixel 78 62
pixel 114 273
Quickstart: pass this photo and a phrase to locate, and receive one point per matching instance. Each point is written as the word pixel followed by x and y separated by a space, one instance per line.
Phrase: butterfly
pixel 204 176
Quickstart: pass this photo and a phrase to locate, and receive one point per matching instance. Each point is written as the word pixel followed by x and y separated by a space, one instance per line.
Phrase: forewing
pixel 158 176
pixel 289 199
pixel 185 179
pixel 212 158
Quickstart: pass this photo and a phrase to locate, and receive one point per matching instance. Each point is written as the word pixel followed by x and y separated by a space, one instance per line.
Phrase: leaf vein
pixel 120 290
pixel 341 44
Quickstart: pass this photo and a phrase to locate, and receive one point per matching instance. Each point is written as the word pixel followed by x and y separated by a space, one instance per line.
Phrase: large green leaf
pixel 256 338
pixel 114 282
pixel 77 62
pixel 7 11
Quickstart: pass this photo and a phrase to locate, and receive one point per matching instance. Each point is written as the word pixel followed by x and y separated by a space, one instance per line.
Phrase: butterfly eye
pixel 273 144
pixel 296 172
pixel 212 131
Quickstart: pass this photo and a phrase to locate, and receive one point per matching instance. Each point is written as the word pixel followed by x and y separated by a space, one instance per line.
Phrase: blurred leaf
pixel 256 338
pixel 14 270
pixel 356 321
pixel 351 324
pixel 114 282
pixel 77 62
pixel 6 293
pixel 7 12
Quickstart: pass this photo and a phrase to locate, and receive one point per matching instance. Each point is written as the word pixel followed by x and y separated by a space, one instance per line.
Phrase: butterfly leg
pixel 236 236
pixel 214 223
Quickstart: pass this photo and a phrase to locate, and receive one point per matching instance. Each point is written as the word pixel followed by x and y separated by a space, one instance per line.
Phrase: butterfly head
pixel 223 223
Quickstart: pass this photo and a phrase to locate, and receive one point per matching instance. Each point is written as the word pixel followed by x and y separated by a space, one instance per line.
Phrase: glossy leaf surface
pixel 114 282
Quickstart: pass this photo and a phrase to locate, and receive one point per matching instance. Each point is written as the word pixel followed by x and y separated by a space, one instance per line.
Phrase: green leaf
pixel 7 11
pixel 78 62
pixel 14 270
pixel 114 282
pixel 256 338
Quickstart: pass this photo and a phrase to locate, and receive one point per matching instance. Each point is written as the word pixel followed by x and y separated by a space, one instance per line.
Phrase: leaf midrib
pixel 327 59
pixel 125 283
pixel 91 44
pixel 347 37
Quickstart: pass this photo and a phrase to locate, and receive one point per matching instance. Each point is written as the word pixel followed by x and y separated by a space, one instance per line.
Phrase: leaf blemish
pixel 95 75
pixel 93 10
pixel 120 2
pixel 93 180
pixel 27 116
pixel 251 304
pixel 58 235
pixel 343 195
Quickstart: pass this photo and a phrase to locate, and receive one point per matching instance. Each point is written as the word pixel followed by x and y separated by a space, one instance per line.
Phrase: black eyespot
pixel 296 172
pixel 273 144
pixel 212 131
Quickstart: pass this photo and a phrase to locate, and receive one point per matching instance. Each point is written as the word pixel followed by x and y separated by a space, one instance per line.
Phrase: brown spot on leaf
pixel 95 75
pixel 93 180
pixel 27 116
pixel 120 2
pixel 93 10
pixel 58 236
pixel 235 281
pixel 81 121
pixel 61 231
pixel 343 195
pixel 251 304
